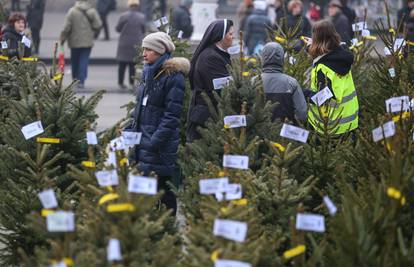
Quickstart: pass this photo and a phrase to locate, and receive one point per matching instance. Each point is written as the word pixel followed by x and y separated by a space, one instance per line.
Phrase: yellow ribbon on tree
pixel 29 59
pixel 120 207
pixel 240 202
pixel 4 58
pixel 279 146
pixel 48 140
pixel 394 193
pixel 89 164
pixel 108 197
pixel 46 212
pixel 215 255
pixel 403 116
pixel 58 77
pixel 280 39
pixel 296 251
pixel 68 261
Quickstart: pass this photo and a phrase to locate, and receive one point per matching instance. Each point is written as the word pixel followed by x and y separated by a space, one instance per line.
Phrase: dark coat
pixel 243 13
pixel 105 6
pixel 211 64
pixel 341 24
pixel 304 28
pixel 181 21
pixel 403 15
pixel 351 16
pixel 410 34
pixel 256 29
pixel 159 120
pixel 131 26
pixel 13 40
pixel 35 12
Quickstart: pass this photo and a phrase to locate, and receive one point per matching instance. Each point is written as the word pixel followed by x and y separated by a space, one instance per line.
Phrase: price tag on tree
pixel 59 264
pixel 231 263
pixel 365 33
pixel 231 192
pixel 219 83
pixel 234 50
pixel 322 96
pixel 107 178
pixel 387 51
pixel 213 186
pixel 91 138
pixel 229 229
pixel 356 27
pixel 132 138
pixel 113 250
pixel 32 129
pixel 391 71
pixel 397 104
pixel 399 43
pixel 26 41
pixel 385 131
pixel 4 45
pixel 142 185
pixel 330 205
pixel 236 162
pixel 294 133
pixel 61 221
pixel 310 222
pixel 118 144
pixel 111 160
pixel 157 23
pixel 180 35
pixel 235 121
pixel 292 60
pixel 164 20
pixel 48 199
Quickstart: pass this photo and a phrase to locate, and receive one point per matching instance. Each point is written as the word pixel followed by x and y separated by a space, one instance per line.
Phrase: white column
pixel 203 12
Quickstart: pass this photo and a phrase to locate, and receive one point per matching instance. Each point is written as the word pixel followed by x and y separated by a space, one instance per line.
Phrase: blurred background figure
pixel 339 20
pixel 13 34
pixel 410 31
pixel 15 6
pixel 243 12
pixel 256 28
pixel 296 17
pixel 104 7
pixel 314 13
pixel 271 11
pixel 350 15
pixel 404 13
pixel 181 19
pixel 35 13
pixel 131 26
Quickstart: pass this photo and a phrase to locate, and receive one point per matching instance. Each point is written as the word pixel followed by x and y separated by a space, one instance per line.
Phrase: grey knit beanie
pixel 159 42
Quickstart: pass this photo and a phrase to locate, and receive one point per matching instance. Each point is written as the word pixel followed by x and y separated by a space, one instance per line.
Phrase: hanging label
pixel 142 185
pixel 330 205
pixel 234 50
pixel 294 133
pixel 391 71
pixel 48 199
pixel 292 60
pixel 399 43
pixel 213 186
pixel 59 264
pixel 235 121
pixel 4 45
pixel 230 192
pixel 387 51
pixel 180 35
pixel 229 229
pixel 219 83
pixel 356 27
pixel 164 20
pixel 388 128
pixel 157 23
pixel 91 138
pixel 111 160
pixel 354 41
pixel 32 129
pixel 61 221
pixel 132 138
pixel 230 263
pixel 107 178
pixel 365 33
pixel 144 101
pixel 168 30
pixel 236 162
pixel 118 144
pixel 322 96
pixel 398 104
pixel 310 222
pixel 113 250
pixel 26 41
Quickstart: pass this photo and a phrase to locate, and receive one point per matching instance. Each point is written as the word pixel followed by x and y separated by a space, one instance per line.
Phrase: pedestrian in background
pixel 296 17
pixel 339 20
pixel 15 5
pixel 243 12
pixel 404 13
pixel 35 12
pixel 104 7
pixel 410 32
pixel 281 88
pixel 209 62
pixel 350 15
pixel 81 24
pixel 257 25
pixel 181 19
pixel 131 26
pixel 14 36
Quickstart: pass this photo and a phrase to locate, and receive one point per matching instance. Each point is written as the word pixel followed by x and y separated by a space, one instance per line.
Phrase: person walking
pixel 280 87
pixel 350 14
pixel 14 36
pixel 104 7
pixel 403 14
pixel 332 71
pixel 244 10
pixel 35 12
pixel 296 17
pixel 81 23
pixel 181 19
pixel 209 63
pixel 158 111
pixel 257 25
pixel 339 20
pixel 131 26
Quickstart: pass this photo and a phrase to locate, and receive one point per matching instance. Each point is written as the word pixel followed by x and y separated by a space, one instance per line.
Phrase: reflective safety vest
pixel 342 109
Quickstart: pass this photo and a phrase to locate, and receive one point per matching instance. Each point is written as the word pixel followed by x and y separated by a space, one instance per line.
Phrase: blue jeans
pixel 80 62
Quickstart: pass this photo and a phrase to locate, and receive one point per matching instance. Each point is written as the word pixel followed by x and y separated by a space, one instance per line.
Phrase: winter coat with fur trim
pixel 157 114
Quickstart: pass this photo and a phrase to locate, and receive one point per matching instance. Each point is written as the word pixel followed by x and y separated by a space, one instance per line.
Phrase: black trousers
pixel 121 72
pixel 168 199
pixel 104 18
pixel 36 39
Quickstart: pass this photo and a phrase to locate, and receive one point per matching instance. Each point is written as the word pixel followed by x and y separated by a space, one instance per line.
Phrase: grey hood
pixel 272 57
pixel 83 5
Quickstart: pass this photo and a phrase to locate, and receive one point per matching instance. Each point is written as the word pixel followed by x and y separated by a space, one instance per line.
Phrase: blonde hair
pixel 324 38
pixel 293 3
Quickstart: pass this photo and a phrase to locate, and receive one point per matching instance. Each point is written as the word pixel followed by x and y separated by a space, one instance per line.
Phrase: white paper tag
pixel 118 143
pixel 231 263
pixel 389 130
pixel 234 50
pixel 213 186
pixel 32 129
pixel 26 41
pixel 91 138
pixel 387 51
pixel 354 41
pixel 236 162
pixel 219 83
pixel 107 178
pixel 113 251
pixel 399 43
pixel 164 20
pixel 359 26
pixel 180 35
pixel 144 101
pixel 132 138
pixel 330 205
pixel 235 121
pixel 229 229
pixel 231 192
pixel 365 33
pixel 111 160
pixel 61 221
pixel 391 71
pixel 310 222
pixel 4 45
pixel 168 31
pixel 294 133
pixel 48 199
pixel 142 185
pixel 397 104
pixel 322 96
pixel 292 60
pixel 59 264
pixel 157 23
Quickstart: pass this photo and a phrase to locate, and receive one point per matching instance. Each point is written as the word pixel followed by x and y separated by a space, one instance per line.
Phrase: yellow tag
pixel 296 251
pixel 215 255
pixel 370 38
pixel 392 192
pixel 253 60
pixel 4 58
pixel 68 261
pixel 46 212
pixel 110 189
pixel 124 162
pixel 226 126
pixel 404 115
pixel 392 31
pixel 240 202
pixel 410 43
pixel 58 77
pixel 279 146
pixel 89 164
pixel 120 207
pixel 31 59
pixel 224 210
pixel 246 74
pixel 222 174
pixel 359 43
pixel 280 39
pixel 108 197
pixel 403 201
pixel 48 140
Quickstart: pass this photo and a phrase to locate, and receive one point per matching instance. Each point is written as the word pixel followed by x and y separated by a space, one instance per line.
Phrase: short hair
pixel 294 3
pixel 16 17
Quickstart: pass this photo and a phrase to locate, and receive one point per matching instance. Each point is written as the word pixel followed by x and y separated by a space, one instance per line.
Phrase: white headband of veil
pixel 225 28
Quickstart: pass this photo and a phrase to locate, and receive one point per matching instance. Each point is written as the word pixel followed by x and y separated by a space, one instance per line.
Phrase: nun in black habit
pixel 209 62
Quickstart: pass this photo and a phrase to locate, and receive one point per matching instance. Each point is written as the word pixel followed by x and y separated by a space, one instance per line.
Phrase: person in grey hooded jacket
pixel 280 87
